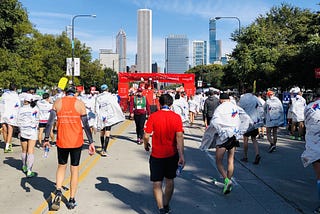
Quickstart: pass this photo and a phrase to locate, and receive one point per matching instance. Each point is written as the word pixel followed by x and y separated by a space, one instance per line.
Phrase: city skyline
pixel 190 18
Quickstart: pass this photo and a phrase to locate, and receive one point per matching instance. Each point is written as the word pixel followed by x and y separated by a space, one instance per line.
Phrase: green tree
pixel 211 75
pixel 271 49
pixel 15 32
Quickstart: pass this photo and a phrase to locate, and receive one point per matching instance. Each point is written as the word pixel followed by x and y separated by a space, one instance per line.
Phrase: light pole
pixel 231 17
pixel 72 40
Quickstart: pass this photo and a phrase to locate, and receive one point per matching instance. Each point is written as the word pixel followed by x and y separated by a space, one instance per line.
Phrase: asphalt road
pixel 120 183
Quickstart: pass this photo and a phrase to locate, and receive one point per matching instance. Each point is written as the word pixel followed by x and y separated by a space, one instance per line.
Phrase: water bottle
pixel 46 151
pixel 179 170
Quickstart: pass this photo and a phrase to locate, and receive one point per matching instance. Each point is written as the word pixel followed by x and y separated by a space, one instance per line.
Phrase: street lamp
pixel 72 38
pixel 231 17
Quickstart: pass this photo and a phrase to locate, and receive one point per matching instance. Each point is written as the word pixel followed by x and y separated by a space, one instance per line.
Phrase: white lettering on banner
pixel 76 66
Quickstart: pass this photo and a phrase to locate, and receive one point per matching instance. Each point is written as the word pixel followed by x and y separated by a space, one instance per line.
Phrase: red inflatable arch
pixel 125 78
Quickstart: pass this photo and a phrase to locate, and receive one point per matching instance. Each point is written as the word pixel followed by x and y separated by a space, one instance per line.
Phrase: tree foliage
pixel 211 75
pixel 32 59
pixel 278 49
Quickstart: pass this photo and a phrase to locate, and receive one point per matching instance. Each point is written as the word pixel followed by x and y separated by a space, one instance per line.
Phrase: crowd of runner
pixel 225 117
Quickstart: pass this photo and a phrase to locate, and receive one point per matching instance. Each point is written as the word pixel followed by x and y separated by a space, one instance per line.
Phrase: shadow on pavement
pixel 41 184
pixel 123 194
pixel 123 137
pixel 14 163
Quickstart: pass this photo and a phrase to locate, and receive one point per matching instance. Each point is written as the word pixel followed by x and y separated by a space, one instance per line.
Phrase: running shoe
pixel 139 141
pixel 167 209
pixel 103 153
pixel 227 186
pixel 257 159
pixel 292 137
pixel 244 159
pixel 9 150
pixel 31 174
pixel 162 211
pixel 24 169
pixel 299 138
pixel 72 203
pixel 272 148
pixel 56 201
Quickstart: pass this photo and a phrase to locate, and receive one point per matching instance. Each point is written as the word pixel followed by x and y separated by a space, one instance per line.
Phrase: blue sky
pixel 187 17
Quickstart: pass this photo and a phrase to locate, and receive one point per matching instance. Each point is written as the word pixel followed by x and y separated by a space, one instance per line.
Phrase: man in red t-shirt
pixel 167 150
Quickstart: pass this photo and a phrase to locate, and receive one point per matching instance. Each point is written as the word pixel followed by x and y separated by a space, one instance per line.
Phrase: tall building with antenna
pixel 121 49
pixel 144 43
pixel 212 41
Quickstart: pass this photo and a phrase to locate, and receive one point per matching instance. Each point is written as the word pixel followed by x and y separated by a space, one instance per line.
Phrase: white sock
pixel 23 158
pixel 30 160
pixel 7 145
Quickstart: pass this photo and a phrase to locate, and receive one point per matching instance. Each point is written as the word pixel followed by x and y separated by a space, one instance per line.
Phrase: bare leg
pixel 301 129
pixel 219 158
pixel 275 135
pixel 74 180
pixel 245 146
pixel 9 136
pixel 255 145
pixel 269 135
pixel 158 194
pixel 4 132
pixel 230 162
pixel 40 135
pixel 169 188
pixel 61 171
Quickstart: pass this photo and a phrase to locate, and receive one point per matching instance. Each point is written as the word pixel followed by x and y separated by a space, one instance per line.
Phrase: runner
pixel 274 118
pixel 44 107
pixel 28 122
pixel 139 111
pixel 11 104
pixel 71 116
pixel 109 113
pixel 252 106
pixel 228 124
pixel 311 155
pixel 167 150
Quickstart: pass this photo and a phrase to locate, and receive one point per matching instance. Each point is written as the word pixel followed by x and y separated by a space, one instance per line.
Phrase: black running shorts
pixel 42 125
pixel 230 143
pixel 252 133
pixel 163 167
pixel 75 154
pixel 106 128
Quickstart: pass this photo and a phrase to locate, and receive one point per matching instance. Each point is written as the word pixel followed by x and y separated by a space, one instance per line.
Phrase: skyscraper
pixel 121 49
pixel 144 53
pixel 177 52
pixel 199 52
pixel 212 41
pixel 108 59
pixel 218 50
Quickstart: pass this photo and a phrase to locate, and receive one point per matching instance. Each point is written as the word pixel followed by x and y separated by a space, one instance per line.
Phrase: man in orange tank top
pixel 71 116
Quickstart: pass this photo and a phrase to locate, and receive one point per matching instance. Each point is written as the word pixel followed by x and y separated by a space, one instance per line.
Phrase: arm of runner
pixel 86 127
pixel 146 143
pixel 48 128
pixel 180 147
